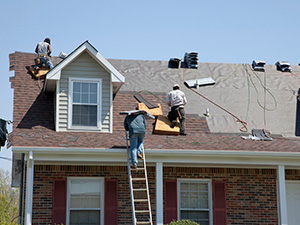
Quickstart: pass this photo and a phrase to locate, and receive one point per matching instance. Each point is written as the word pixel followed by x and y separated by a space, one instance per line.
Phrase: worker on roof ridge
pixel 177 100
pixel 43 49
pixel 136 125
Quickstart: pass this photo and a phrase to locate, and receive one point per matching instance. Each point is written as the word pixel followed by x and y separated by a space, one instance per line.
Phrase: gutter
pixel 166 156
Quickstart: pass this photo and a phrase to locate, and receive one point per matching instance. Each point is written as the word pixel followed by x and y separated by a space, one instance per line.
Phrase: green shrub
pixel 183 222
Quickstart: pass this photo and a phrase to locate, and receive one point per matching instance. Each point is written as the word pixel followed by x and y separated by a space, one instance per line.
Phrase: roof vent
pixel 258 65
pixel 191 60
pixel 174 63
pixel 283 66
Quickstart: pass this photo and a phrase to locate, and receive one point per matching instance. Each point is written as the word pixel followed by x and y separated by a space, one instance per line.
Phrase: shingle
pixel 34 122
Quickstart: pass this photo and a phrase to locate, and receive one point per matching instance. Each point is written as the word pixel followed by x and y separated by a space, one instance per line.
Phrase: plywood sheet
pixel 162 126
pixel 155 111
pixel 41 73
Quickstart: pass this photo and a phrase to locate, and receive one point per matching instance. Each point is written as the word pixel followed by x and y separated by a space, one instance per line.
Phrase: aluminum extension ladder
pixel 139 191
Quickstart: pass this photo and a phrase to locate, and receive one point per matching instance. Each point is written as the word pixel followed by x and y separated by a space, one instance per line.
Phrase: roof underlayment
pixel 238 89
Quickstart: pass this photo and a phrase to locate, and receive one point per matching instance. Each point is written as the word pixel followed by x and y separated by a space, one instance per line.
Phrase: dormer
pixel 84 84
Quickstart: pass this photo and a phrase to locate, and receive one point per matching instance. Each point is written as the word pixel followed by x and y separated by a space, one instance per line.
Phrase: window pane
pixel 76 87
pixel 84 115
pixel 93 88
pixel 82 217
pixel 85 194
pixel 194 195
pixel 76 97
pixel 85 87
pixel 196 216
pixel 85 98
pixel 93 98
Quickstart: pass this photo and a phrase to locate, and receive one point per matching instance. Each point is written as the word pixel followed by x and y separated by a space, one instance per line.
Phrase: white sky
pixel 231 31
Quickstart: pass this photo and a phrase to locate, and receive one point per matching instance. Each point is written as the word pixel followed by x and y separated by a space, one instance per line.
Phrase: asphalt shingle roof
pixel 34 121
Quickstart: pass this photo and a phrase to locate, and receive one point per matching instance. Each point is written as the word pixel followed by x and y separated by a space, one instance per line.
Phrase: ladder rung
pixel 141 200
pixel 139 168
pixel 143 222
pixel 140 189
pixel 138 178
pixel 141 211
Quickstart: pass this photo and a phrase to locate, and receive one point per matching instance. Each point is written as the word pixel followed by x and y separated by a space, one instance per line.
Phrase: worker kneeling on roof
pixel 43 49
pixel 177 100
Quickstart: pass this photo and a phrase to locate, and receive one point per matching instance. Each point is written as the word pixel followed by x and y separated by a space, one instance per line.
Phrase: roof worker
pixel 43 49
pixel 177 100
pixel 136 125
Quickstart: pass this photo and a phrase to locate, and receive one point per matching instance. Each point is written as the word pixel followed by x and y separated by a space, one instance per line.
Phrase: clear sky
pixel 232 31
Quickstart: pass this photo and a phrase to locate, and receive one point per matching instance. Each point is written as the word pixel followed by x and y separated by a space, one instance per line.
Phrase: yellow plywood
pixel 162 126
pixel 41 72
pixel 155 111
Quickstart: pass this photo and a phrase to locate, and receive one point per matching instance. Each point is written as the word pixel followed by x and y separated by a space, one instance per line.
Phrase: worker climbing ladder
pixel 139 190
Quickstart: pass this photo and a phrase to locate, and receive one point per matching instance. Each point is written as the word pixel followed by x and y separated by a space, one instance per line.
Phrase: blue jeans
pixel 136 146
pixel 43 60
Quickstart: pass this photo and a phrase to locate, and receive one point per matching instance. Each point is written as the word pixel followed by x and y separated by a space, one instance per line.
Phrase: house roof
pixel 34 109
pixel 55 74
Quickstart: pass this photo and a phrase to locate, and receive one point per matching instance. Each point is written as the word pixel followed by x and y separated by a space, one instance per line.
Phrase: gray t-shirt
pixel 135 124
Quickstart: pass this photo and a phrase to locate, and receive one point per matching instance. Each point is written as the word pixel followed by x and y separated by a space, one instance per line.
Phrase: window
pixel 85 201
pixel 195 201
pixel 84 107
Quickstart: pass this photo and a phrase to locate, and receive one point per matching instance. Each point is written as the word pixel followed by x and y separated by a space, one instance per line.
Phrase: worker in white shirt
pixel 43 49
pixel 177 100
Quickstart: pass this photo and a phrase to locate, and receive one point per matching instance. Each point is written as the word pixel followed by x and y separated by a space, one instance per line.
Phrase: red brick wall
pixel 43 188
pixel 251 193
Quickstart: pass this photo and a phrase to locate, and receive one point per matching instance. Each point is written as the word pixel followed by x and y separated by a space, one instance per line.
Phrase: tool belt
pixel 37 60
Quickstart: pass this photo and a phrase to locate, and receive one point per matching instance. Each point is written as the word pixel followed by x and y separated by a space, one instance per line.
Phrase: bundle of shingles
pixel 259 135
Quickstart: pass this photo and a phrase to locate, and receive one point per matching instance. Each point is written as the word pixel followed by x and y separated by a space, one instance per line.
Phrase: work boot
pixel 173 124
pixel 134 167
pixel 37 69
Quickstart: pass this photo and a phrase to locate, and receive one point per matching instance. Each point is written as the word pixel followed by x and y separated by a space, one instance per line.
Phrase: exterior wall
pixel 250 193
pixel 83 67
pixel 43 188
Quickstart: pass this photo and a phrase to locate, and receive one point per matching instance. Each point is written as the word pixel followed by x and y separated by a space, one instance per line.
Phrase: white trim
pixel 190 158
pixel 281 196
pixel 57 106
pixel 99 102
pixel 102 196
pixel 159 194
pixel 209 186
pixel 111 108
pixel 29 189
pixel 55 73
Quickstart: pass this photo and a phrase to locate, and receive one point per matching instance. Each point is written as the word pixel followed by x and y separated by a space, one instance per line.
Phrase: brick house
pixel 75 170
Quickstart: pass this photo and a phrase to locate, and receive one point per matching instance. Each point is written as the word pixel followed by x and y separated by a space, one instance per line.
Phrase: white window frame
pixel 70 104
pixel 101 180
pixel 209 185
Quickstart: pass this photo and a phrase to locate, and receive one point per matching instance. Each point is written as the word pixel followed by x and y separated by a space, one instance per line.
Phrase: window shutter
pixel 59 202
pixel 219 202
pixel 111 202
pixel 170 203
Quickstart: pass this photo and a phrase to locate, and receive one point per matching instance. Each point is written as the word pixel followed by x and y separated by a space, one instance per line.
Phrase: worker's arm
pixel 36 49
pixel 49 50
pixel 125 124
pixel 168 100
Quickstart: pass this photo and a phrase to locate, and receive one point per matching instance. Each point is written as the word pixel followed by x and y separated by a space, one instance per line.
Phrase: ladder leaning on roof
pixel 139 191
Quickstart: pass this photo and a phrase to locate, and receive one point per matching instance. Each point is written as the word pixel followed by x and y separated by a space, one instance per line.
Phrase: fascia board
pixel 175 157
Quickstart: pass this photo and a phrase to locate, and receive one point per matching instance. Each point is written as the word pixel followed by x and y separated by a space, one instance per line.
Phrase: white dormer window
pixel 85 104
